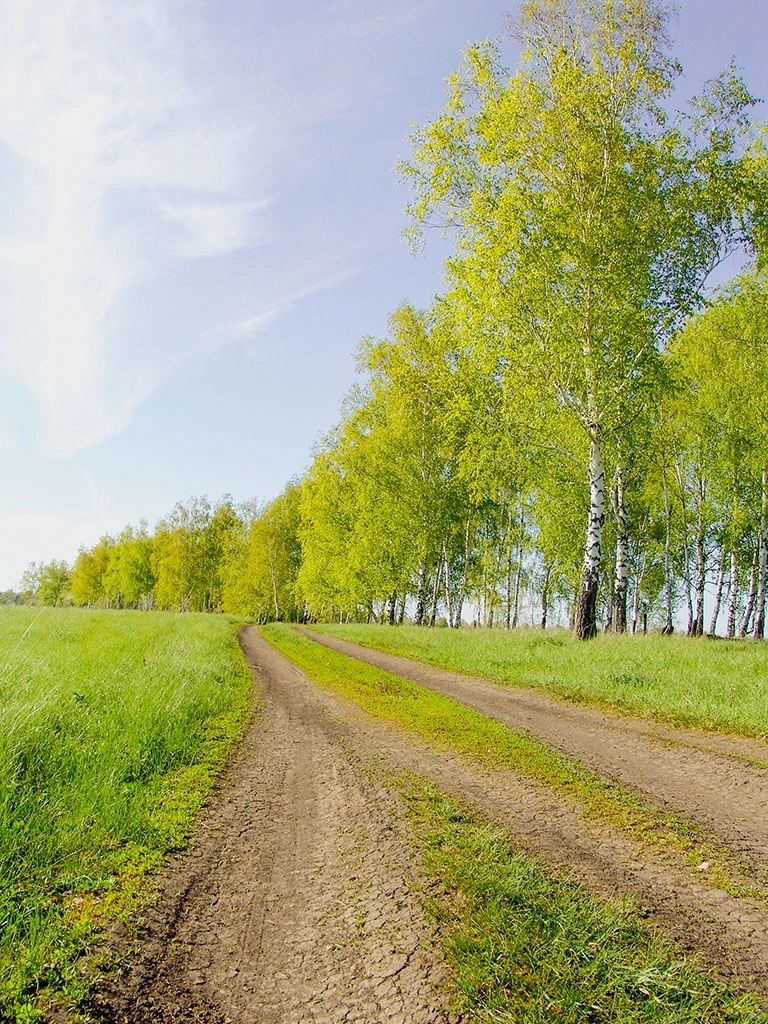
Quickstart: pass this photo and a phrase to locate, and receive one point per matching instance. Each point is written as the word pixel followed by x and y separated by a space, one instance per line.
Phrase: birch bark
pixel 586 608
pixel 622 558
pixel 759 632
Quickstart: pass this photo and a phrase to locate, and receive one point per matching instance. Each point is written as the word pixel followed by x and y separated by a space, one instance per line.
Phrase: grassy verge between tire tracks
pixel 525 947
pixel 712 684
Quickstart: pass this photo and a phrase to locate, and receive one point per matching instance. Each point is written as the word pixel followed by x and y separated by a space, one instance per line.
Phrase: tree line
pixel 576 422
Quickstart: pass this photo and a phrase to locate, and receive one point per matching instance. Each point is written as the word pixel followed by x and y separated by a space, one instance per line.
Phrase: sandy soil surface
pixel 300 900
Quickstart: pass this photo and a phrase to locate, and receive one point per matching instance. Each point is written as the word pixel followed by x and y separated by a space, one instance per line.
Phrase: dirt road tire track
pixel 729 934
pixel 297 903
pixel 706 777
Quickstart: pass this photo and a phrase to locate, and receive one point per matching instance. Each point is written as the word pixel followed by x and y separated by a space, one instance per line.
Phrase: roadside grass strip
pixel 447 724
pixel 113 728
pixel 716 685
pixel 525 947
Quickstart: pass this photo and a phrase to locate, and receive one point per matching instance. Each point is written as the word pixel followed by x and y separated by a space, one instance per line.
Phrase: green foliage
pixel 46 583
pixel 560 427
pixel 88 573
pixel 585 222
pixel 128 581
pixel 112 728
pixel 261 561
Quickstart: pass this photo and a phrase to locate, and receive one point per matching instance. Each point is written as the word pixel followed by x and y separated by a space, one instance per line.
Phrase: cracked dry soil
pixel 297 902
pixel 300 899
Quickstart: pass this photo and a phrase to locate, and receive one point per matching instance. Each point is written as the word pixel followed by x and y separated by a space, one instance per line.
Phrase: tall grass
pixel 112 726
pixel 700 682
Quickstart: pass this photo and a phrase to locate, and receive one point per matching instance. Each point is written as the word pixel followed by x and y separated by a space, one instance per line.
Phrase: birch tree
pixel 586 223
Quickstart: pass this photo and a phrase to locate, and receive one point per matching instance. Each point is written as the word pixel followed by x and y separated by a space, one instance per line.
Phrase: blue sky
pixel 199 220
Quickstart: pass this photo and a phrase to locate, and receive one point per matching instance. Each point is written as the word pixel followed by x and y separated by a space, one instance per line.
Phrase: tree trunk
pixel 545 596
pixel 701 562
pixel 519 573
pixel 686 549
pixel 733 582
pixel 759 633
pixel 718 593
pixel 622 559
pixel 436 593
pixel 508 616
pixel 421 592
pixel 636 599
pixel 391 609
pixel 464 575
pixel 668 628
pixel 733 593
pixel 752 591
pixel 448 602
pixel 586 620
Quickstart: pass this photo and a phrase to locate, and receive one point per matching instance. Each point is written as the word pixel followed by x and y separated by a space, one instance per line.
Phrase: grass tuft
pixel 525 947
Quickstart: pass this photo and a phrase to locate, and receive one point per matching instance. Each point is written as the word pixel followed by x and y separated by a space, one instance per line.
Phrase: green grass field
pixel 113 726
pixel 713 684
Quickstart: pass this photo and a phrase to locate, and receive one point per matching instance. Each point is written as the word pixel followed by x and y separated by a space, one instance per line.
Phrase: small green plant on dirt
pixel 525 947
pixel 113 727
pixel 695 682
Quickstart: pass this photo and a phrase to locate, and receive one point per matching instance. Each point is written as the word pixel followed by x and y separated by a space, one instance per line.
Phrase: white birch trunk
pixel 733 593
pixel 637 591
pixel 759 633
pixel 622 557
pixel 752 591
pixel 701 561
pixel 448 599
pixel 586 621
pixel 421 588
pixel 519 573
pixel 668 625
pixel 718 594
pixel 436 592
pixel 464 574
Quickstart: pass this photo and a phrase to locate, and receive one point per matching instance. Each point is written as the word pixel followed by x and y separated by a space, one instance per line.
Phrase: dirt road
pixel 720 781
pixel 300 899
pixel 297 902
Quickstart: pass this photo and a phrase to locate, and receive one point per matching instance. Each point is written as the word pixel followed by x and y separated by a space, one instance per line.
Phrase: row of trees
pixel 201 557
pixel 426 500
pixel 571 423
pixel 416 502
pixel 565 412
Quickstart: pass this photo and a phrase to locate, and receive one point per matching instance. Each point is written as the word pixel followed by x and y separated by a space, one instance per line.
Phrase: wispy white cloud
pixel 211 227
pixel 117 165
pixel 129 146
pixel 250 326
